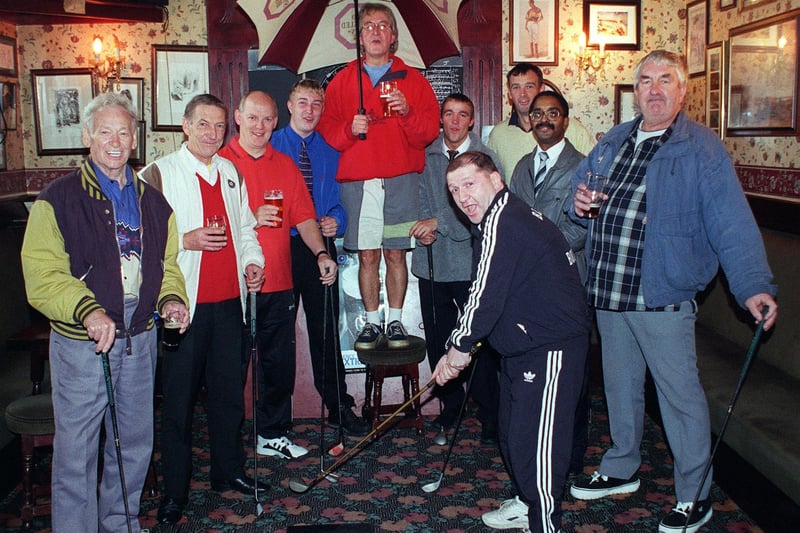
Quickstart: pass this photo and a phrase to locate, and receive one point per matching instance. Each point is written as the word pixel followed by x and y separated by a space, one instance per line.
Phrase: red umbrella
pixel 304 35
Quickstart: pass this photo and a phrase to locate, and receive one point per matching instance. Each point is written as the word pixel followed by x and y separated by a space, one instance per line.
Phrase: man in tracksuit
pixel 527 299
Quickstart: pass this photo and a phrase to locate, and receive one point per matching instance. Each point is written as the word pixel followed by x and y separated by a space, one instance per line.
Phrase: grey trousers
pixel 80 404
pixel 664 342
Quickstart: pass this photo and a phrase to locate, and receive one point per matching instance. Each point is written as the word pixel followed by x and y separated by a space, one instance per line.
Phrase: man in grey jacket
pixel 444 283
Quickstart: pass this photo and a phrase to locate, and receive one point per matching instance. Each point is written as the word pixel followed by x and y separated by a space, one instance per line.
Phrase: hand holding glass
pixel 387 88
pixel 595 188
pixel 275 197
pixel 171 336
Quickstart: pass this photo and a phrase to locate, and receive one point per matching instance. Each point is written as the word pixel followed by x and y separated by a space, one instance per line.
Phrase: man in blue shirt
pixel 318 163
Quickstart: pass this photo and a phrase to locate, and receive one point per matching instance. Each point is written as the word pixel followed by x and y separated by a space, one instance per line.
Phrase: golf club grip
pixel 361 111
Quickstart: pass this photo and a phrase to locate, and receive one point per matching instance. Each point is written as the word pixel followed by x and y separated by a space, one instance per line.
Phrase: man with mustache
pixel 673 211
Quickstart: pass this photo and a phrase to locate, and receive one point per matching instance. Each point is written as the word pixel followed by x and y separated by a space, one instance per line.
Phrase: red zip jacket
pixel 394 146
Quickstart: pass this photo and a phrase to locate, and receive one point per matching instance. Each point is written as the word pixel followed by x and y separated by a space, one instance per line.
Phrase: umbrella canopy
pixel 304 35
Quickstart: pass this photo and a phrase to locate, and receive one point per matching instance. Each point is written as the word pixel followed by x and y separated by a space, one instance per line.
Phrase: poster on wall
pixel 533 32
pixel 59 96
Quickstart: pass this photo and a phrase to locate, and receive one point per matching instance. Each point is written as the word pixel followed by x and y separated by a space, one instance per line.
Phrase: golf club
pixel 112 408
pixel 751 352
pixel 299 486
pixel 361 110
pixel 254 388
pixel 440 438
pixel 433 486
pixel 338 448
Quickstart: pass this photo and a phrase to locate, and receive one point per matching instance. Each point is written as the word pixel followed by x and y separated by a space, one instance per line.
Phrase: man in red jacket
pixel 379 173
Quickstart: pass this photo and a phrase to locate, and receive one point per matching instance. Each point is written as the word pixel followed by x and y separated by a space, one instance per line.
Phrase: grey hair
pixel 104 101
pixel 664 58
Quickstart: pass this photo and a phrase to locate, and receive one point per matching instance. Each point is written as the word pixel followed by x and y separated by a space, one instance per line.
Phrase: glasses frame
pixel 551 113
pixel 370 27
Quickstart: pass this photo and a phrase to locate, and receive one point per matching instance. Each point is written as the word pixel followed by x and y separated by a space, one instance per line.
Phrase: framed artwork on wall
pixel 696 37
pixel 133 88
pixel 726 4
pixel 9 96
pixel 534 32
pixel 715 88
pixel 137 158
pixel 613 24
pixel 179 73
pixel 59 96
pixel 763 78
pixel 8 56
pixel 624 103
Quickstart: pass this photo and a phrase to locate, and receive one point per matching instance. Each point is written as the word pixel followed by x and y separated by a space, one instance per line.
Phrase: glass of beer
pixel 595 187
pixel 215 221
pixel 275 197
pixel 171 336
pixel 387 88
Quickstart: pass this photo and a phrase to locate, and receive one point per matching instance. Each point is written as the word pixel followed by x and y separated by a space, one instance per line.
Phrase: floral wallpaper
pixel 663 25
pixel 70 46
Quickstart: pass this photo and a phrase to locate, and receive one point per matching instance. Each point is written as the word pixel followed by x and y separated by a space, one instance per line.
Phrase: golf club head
pixel 259 509
pixel 440 439
pixel 433 486
pixel 333 478
pixel 297 485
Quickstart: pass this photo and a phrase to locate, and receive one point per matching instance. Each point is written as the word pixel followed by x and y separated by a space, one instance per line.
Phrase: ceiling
pixel 29 12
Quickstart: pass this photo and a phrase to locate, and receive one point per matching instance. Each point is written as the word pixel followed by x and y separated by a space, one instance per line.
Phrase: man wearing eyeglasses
pixel 382 155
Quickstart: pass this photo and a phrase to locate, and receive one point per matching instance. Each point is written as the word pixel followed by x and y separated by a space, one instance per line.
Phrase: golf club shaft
pixel 324 381
pixel 112 407
pixel 361 110
pixel 460 414
pixel 751 352
pixel 352 451
pixel 336 356
pixel 254 393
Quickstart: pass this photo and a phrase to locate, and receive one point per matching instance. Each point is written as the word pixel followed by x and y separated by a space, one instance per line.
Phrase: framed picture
pixel 8 56
pixel 726 4
pixel 9 96
pixel 179 73
pixel 59 96
pixel 763 77
pixel 624 104
pixel 133 88
pixel 696 32
pixel 137 158
pixel 614 24
pixel 747 4
pixel 715 88
pixel 534 32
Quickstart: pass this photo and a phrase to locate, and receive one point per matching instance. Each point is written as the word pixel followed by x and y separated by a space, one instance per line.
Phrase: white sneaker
pixel 280 447
pixel 512 514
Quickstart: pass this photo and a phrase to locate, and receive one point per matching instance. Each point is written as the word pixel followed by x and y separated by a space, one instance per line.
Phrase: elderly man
pixel 379 173
pixel 443 290
pixel 511 138
pixel 264 168
pixel 673 211
pixel 318 163
pixel 99 257
pixel 527 299
pixel 220 264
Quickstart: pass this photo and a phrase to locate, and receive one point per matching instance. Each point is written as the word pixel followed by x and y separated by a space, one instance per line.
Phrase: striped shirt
pixel 617 235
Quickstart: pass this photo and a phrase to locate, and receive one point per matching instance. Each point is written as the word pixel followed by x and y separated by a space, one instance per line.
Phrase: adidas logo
pixel 528 376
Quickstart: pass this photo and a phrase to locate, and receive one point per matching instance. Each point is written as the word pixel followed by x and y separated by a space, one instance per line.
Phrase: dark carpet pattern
pixel 381 487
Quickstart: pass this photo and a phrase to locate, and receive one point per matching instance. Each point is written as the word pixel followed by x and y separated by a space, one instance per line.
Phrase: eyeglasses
pixel 551 113
pixel 370 27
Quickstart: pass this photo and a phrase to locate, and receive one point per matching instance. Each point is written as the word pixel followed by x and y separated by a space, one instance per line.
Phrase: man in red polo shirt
pixel 264 168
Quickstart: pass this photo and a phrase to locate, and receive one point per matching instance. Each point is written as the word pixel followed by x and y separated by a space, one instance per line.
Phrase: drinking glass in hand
pixel 595 187
pixel 215 221
pixel 275 197
pixel 171 336
pixel 387 88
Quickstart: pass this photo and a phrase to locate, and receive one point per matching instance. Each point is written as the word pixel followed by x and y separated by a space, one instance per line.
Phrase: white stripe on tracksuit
pixel 544 435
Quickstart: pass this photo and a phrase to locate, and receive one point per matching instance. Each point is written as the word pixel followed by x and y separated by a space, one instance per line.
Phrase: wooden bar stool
pixel 384 362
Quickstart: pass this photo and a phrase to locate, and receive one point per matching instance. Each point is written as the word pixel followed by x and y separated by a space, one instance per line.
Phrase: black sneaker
pixel 600 486
pixel 676 519
pixel 352 424
pixel 396 335
pixel 369 337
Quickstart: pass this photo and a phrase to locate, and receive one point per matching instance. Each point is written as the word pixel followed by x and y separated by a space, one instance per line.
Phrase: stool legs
pixel 373 398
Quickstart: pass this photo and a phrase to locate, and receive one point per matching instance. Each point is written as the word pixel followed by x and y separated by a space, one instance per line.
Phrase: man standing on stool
pixel 220 264
pixel 447 239
pixel 99 257
pixel 379 173
pixel 673 211
pixel 318 166
pixel 528 300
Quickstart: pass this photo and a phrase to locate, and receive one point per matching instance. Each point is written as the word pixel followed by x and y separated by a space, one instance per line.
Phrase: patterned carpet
pixel 380 489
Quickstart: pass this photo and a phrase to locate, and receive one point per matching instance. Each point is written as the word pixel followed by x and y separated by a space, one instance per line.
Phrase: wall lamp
pixel 591 61
pixel 107 70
